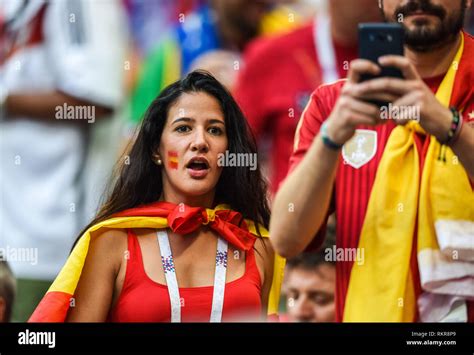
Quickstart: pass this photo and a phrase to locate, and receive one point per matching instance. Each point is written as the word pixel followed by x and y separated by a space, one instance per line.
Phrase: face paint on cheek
pixel 173 160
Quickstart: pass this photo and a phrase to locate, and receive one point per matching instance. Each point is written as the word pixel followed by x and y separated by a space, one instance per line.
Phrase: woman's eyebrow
pixel 183 119
pixel 188 119
pixel 214 121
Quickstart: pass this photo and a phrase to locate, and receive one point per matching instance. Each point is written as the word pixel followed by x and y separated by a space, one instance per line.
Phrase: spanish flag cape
pixel 405 202
pixel 181 219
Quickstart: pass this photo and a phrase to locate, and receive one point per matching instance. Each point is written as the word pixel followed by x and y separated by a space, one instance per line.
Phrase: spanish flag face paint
pixel 173 160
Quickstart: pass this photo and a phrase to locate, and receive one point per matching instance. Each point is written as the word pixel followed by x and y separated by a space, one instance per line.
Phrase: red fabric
pixel 353 186
pixel 143 300
pixel 52 308
pixel 275 85
pixel 184 219
pixel 34 35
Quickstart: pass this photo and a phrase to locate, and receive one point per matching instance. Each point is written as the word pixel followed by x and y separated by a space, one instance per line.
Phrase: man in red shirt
pixel 280 73
pixel 438 60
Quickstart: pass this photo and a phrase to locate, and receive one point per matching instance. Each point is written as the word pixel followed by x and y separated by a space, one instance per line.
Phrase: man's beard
pixel 424 39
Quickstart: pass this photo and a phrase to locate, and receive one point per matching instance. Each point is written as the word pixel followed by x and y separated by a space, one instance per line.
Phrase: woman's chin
pixel 196 188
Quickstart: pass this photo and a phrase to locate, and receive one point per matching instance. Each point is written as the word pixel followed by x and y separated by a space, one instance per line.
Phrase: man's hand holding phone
pixel 353 107
pixel 382 77
pixel 412 93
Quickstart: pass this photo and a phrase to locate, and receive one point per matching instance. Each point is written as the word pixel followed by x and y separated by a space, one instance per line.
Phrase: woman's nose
pixel 199 142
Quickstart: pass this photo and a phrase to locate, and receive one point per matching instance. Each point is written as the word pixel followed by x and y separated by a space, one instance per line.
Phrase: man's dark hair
pixel 308 261
pixel 311 260
pixel 7 288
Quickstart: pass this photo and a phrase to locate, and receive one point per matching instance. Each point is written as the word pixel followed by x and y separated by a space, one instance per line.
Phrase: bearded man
pixel 402 189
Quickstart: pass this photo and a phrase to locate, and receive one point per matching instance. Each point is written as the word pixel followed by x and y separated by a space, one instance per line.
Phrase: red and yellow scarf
pixel 181 219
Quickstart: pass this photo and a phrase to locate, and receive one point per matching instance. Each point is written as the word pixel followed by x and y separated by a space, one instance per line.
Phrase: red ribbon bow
pixel 184 219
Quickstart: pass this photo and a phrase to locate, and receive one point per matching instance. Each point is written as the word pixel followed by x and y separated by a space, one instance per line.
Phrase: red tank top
pixel 144 300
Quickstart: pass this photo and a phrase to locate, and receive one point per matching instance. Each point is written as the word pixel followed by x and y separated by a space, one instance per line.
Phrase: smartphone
pixel 377 40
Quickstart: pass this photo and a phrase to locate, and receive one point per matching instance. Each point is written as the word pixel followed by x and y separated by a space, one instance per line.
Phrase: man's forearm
pixel 302 202
pixel 43 106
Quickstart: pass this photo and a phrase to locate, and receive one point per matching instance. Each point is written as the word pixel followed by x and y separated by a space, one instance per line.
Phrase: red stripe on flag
pixel 52 308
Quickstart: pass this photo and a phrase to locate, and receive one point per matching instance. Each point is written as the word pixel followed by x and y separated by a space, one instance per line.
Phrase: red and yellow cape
pixel 181 219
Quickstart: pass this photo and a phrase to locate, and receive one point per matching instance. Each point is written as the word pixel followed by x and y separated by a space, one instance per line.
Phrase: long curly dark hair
pixel 139 182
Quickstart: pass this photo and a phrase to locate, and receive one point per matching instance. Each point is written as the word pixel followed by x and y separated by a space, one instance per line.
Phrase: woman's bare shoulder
pixel 109 242
pixel 109 235
pixel 264 247
pixel 95 289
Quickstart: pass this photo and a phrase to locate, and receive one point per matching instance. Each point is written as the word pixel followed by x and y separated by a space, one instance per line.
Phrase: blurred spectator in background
pixel 470 21
pixel 309 287
pixel 61 68
pixel 150 22
pixel 280 74
pixel 219 29
pixel 310 283
pixel 7 291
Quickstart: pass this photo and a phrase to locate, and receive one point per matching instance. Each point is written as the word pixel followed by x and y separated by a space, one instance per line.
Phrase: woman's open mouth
pixel 198 167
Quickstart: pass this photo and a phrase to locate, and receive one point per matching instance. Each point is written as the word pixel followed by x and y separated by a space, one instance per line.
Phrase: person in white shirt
pixel 61 69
